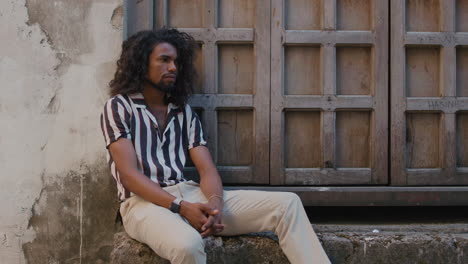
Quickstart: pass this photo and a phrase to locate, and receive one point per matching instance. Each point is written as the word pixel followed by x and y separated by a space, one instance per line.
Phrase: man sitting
pixel 150 131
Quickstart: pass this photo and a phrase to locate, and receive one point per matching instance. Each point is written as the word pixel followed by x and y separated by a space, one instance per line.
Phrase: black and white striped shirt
pixel 160 159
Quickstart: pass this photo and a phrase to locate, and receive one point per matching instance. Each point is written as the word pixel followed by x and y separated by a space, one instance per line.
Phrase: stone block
pixel 258 248
pixel 351 244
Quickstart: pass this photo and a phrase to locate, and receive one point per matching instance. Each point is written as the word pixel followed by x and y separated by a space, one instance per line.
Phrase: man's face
pixel 162 68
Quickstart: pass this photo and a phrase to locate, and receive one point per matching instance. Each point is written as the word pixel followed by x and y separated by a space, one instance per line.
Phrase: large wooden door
pixel 429 135
pixel 329 92
pixel 317 71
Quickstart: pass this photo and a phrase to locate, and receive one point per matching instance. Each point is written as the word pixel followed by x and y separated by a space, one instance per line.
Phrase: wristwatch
pixel 175 205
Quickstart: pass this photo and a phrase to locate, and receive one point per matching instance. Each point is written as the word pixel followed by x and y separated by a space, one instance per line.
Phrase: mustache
pixel 173 75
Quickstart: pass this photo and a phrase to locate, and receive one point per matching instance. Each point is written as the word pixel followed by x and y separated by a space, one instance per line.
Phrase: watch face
pixel 175 208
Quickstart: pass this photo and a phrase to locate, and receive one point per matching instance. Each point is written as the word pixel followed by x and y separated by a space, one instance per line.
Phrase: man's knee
pixel 290 198
pixel 191 246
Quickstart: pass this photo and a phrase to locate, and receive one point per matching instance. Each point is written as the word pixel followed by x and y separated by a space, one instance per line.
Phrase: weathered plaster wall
pixel 57 199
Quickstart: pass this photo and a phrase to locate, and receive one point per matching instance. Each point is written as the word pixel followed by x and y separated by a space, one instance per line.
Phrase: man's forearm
pixel 144 187
pixel 212 187
pixel 124 156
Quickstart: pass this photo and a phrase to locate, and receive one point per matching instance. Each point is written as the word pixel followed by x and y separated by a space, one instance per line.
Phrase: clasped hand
pixel 203 217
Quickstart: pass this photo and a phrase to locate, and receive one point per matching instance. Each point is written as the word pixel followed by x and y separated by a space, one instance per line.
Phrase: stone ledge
pixel 343 244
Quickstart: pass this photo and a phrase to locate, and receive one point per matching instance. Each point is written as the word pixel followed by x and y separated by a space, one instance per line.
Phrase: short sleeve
pixel 115 120
pixel 195 135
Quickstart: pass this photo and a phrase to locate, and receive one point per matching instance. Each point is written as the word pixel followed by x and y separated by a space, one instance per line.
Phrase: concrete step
pixel 431 244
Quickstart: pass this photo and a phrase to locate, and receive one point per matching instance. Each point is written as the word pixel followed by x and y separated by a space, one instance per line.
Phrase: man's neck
pixel 153 97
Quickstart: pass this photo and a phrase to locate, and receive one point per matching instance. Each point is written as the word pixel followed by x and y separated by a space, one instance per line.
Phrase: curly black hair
pixel 132 66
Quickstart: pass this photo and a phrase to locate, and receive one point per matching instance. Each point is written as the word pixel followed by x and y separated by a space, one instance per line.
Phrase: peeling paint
pixel 63 23
pixel 117 18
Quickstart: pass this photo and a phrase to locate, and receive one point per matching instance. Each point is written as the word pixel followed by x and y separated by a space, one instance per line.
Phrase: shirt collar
pixel 139 102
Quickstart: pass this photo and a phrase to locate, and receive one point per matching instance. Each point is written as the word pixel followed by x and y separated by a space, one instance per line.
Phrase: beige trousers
pixel 172 238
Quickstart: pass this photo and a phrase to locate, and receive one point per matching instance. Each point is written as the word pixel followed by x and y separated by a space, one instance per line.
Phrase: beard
pixel 161 86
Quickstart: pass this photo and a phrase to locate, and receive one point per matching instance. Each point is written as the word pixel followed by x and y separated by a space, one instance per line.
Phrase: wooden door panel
pixel 428 98
pixel 233 90
pixel 185 14
pixel 353 70
pixel 302 139
pixel 302 70
pixel 236 14
pixel 235 129
pixel 302 14
pixel 353 136
pixel 236 66
pixel 354 14
pixel 329 92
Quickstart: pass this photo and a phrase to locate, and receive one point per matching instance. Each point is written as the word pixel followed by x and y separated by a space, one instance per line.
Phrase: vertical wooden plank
pixel 262 52
pixel 447 9
pixel 398 99
pixel 448 53
pixel 210 116
pixel 165 12
pixel 160 13
pixel 462 16
pixel 210 50
pixel 380 90
pixel 328 139
pixel 329 15
pixel 449 145
pixel 276 120
pixel 138 16
pixel 210 54
pixel 448 70
pixel 328 71
pixel 328 57
pixel 462 139
pixel 210 14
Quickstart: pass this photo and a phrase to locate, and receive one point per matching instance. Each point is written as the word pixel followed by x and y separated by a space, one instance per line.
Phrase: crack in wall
pixel 36 201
